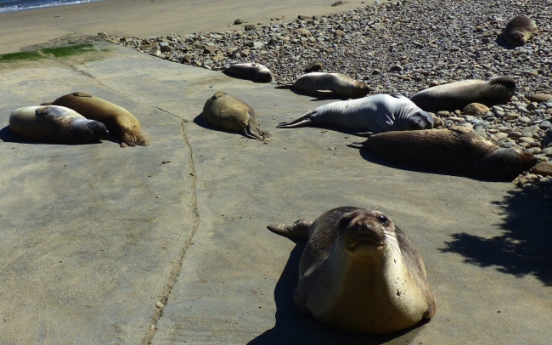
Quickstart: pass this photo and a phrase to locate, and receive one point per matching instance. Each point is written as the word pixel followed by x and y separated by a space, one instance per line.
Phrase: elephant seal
pixel 378 113
pixel 119 121
pixel 455 151
pixel 519 30
pixel 250 71
pixel 226 112
pixel 359 272
pixel 57 124
pixel 334 85
pixel 457 95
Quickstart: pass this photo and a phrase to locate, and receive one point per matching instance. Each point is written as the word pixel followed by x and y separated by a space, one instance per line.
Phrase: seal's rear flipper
pixel 299 229
pixel 300 121
pixel 358 145
pixel 285 86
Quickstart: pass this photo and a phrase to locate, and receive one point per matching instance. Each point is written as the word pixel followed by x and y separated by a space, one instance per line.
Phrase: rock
pixel 210 49
pixel 238 21
pixel 475 109
pixel 339 33
pixel 540 97
pixel 542 168
pixel 303 32
pixel 250 27
pixel 337 3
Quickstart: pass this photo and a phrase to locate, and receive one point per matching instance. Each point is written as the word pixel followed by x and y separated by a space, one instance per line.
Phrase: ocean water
pixel 21 5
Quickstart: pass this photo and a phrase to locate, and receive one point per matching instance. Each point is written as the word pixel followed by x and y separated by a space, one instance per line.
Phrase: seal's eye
pixel 383 219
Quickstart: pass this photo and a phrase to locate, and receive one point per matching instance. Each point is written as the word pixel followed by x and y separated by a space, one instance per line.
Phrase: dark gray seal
pixel 519 30
pixel 457 95
pixel 359 272
pixel 330 85
pixel 378 113
pixel 250 71
pixel 55 124
pixel 457 151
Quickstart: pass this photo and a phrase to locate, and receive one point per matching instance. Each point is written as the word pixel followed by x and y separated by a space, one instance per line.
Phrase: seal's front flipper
pixel 299 229
pixel 364 134
pixel 358 145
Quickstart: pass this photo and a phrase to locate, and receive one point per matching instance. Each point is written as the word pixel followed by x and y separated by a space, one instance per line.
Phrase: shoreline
pixel 152 18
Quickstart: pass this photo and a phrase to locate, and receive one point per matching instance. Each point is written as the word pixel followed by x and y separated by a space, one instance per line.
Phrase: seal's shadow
pixel 501 41
pixel 7 136
pixel 315 98
pixel 523 248
pixel 294 327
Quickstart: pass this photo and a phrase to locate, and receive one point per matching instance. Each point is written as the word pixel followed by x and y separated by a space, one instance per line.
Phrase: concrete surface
pixel 167 244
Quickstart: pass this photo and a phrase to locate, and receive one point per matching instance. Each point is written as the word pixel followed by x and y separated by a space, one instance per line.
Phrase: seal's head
pixel 263 76
pixel 365 232
pixel 420 120
pixel 517 38
pixel 89 131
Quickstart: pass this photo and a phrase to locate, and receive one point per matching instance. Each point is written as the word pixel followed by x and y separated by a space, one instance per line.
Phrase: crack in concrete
pixel 175 272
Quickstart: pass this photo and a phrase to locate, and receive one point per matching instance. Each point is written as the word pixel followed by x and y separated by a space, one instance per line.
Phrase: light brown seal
pixel 56 124
pixel 458 95
pixel 457 151
pixel 519 30
pixel 226 112
pixel 330 85
pixel 119 121
pixel 359 272
pixel 250 71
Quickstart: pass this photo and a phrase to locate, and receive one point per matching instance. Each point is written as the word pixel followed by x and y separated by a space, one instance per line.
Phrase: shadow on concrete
pixel 315 97
pixel 294 327
pixel 7 136
pixel 523 248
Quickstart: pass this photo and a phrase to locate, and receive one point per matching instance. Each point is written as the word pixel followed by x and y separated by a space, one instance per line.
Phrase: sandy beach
pixel 150 18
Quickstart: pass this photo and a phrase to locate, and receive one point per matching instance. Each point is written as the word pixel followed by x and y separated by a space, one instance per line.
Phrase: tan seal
pixel 250 71
pixel 455 151
pixel 228 113
pixel 55 124
pixel 119 121
pixel 359 272
pixel 459 94
pixel 519 30
pixel 330 85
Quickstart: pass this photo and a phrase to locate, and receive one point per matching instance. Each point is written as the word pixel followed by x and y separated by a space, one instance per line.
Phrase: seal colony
pixel 359 272
pixel 378 113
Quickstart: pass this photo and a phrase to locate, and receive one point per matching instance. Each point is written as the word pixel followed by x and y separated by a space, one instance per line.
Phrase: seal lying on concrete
pixel 250 71
pixel 331 85
pixel 118 120
pixel 226 112
pixel 457 151
pixel 519 30
pixel 459 94
pixel 378 113
pixel 359 272
pixel 55 124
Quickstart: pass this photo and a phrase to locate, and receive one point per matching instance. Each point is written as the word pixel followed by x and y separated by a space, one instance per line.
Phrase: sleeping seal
pixel 226 112
pixel 456 151
pixel 378 113
pixel 457 95
pixel 118 120
pixel 331 85
pixel 359 272
pixel 519 30
pixel 49 123
pixel 250 71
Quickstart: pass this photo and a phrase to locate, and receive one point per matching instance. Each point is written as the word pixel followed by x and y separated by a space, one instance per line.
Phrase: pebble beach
pixel 396 47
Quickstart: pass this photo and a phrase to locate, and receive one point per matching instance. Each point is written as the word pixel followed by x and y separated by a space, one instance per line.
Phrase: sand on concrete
pixel 151 18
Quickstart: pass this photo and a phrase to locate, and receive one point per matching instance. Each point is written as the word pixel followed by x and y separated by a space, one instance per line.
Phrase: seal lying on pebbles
pixel 335 85
pixel 49 123
pixel 519 30
pixel 378 113
pixel 457 95
pixel 457 151
pixel 118 120
pixel 226 112
pixel 250 71
pixel 359 272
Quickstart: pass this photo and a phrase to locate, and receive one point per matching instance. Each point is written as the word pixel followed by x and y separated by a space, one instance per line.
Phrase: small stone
pixel 210 49
pixel 444 113
pixel 303 32
pixel 238 21
pixel 540 97
pixel 302 17
pixel 542 168
pixel 339 33
pixel 314 67
pixel 337 3
pixel 250 27
pixel 475 109
pixel 396 68
pixel 532 106
pixel 524 119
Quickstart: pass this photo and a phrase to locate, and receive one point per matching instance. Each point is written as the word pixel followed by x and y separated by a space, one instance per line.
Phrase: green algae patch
pixel 67 51
pixel 21 56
